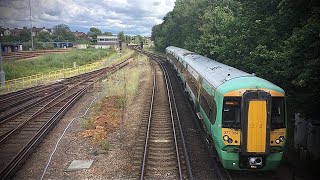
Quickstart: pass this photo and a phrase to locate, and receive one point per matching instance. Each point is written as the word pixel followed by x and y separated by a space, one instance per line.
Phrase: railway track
pixel 20 133
pixel 160 151
pixel 218 169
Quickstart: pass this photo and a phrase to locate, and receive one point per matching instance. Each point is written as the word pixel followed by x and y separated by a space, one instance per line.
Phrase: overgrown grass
pixel 105 145
pixel 125 82
pixel 122 86
pixel 51 62
pixel 95 109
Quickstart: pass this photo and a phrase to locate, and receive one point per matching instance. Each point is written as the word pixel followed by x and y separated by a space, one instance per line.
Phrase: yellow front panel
pixel 257 120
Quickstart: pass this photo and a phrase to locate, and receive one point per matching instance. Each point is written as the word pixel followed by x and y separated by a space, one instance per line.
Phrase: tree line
pixel 62 33
pixel 279 40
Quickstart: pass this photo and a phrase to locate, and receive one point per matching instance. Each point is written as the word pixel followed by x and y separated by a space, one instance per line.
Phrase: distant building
pixel 81 35
pixel 104 41
pixel 107 40
pixel 11 47
pixel 7 32
pixel 16 31
pixel 4 32
pixel 36 31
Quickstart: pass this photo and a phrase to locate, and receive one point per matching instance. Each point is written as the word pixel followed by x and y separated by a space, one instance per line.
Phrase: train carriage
pixel 244 115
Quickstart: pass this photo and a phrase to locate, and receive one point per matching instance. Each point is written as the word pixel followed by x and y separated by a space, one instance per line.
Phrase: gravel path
pixel 113 164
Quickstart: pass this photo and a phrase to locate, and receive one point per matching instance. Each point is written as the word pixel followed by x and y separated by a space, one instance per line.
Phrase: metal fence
pixel 28 81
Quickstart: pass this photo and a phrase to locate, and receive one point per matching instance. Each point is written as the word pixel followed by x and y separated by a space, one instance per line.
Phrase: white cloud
pixel 130 16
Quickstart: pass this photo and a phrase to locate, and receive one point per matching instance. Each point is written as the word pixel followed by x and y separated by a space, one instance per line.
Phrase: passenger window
pixel 213 112
pixel 193 84
pixel 205 102
pixel 208 104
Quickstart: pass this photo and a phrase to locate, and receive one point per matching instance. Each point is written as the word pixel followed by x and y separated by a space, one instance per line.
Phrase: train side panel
pixel 243 115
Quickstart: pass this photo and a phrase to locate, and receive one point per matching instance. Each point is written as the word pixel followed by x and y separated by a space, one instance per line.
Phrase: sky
pixel 133 17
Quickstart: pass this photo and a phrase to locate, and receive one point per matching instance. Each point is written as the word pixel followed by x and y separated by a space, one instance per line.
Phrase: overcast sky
pixel 130 16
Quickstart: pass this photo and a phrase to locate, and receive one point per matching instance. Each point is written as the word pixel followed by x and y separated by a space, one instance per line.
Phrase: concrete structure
pixel 81 46
pixel 97 46
pixel 11 47
pixel 107 40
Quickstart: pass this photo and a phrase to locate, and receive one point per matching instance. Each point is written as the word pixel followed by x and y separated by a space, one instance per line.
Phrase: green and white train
pixel 244 116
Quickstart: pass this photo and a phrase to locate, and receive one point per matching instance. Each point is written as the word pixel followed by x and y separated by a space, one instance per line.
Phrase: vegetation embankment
pixel 52 62
pixel 278 40
pixel 120 90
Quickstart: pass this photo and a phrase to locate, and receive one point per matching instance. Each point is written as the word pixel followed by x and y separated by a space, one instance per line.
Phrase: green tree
pixel 128 39
pixel 62 32
pixel 121 36
pixel 24 36
pixel 278 40
pixel 9 38
pixel 44 36
pixel 93 33
pixel 107 33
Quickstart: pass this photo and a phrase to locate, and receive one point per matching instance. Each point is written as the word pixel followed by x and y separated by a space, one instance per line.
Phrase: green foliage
pixel 9 38
pixel 93 33
pixel 107 33
pixel 278 40
pixel 51 62
pixel 127 39
pixel 105 145
pixel 44 36
pixel 24 36
pixel 121 36
pixel 62 32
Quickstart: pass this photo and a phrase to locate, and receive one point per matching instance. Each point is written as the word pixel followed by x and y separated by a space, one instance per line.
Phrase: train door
pixel 255 125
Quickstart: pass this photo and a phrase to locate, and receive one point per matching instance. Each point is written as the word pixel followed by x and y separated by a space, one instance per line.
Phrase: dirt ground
pixel 108 141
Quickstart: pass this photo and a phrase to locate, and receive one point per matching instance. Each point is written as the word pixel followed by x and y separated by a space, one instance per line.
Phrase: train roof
pixel 220 76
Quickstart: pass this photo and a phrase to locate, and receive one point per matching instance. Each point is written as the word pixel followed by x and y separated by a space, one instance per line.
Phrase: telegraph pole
pixel 2 74
pixel 31 26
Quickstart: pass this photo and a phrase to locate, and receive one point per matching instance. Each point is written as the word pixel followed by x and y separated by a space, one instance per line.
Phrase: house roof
pixel 79 34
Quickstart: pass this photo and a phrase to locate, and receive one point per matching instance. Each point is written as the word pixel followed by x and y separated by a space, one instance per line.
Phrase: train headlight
pixel 278 141
pixel 225 137
pixel 255 161
pixel 281 138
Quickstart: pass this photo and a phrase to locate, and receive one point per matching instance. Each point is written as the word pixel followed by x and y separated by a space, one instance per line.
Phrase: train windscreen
pixel 277 113
pixel 231 114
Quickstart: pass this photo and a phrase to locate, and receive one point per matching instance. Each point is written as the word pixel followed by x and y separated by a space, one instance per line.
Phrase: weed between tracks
pixel 106 116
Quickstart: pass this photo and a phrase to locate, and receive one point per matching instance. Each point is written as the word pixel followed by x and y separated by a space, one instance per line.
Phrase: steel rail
pixel 173 126
pixel 148 127
pixel 50 105
pixel 219 170
pixel 15 162
pixel 181 132
pixel 21 156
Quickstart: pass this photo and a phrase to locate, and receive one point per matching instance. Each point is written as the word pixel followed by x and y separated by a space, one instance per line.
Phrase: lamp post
pixel 31 26
pixel 2 74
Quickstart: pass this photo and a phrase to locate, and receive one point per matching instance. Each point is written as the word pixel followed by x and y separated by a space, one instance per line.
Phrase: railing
pixel 28 81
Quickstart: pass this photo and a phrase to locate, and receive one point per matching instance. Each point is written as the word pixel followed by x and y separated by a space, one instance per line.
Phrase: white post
pixel 2 74
pixel 31 26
